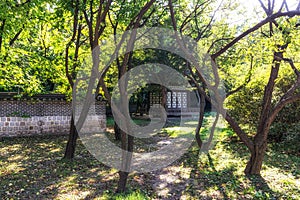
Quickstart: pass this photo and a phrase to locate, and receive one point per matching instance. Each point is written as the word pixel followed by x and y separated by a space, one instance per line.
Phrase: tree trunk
pixel 260 140
pixel 122 181
pixel 254 165
pixel 117 131
pixel 127 144
pixel 71 145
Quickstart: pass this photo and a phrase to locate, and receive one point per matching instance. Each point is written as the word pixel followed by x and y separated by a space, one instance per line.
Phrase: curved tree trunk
pixel 260 140
pixel 117 131
pixel 254 165
pixel 71 145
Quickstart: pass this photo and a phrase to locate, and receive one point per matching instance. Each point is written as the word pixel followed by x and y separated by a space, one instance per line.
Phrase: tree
pixel 257 146
pixel 29 52
pixel 123 66
pixel 95 19
pixel 94 15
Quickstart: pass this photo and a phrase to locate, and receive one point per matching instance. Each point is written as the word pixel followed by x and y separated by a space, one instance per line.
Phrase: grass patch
pixel 141 122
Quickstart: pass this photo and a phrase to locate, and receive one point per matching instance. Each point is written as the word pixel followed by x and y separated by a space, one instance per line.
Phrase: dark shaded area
pixel 42 172
pixel 262 187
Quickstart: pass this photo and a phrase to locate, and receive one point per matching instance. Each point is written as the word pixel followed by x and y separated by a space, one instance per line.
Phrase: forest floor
pixel 32 168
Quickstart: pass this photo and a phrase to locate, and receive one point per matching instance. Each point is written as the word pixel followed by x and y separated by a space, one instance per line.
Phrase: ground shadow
pixel 35 170
pixel 173 183
pixel 262 187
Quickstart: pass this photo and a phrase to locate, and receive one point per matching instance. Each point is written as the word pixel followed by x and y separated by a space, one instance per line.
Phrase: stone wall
pixel 38 116
pixel 36 125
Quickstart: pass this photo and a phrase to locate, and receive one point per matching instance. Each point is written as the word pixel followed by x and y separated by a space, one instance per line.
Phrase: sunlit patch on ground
pixel 31 168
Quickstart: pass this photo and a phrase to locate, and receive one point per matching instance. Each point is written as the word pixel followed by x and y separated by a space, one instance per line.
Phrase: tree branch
pixel 202 107
pixel 76 54
pixel 242 135
pixel 1 33
pixel 209 23
pixel 280 105
pixel 75 24
pixel 138 17
pixel 216 41
pixel 102 19
pixel 134 23
pixel 213 128
pixel 254 28
pixel 89 23
pixel 290 61
pixel 248 78
pixel 189 18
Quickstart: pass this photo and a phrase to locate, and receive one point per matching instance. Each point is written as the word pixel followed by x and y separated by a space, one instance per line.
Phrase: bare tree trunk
pixel 254 165
pixel 260 140
pixel 163 96
pixel 122 174
pixel 122 181
pixel 117 131
pixel 71 145
pixel 127 145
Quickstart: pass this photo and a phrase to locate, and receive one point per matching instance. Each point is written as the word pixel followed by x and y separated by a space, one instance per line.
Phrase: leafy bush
pixel 244 106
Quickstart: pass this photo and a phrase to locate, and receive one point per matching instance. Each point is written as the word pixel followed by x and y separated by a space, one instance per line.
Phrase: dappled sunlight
pixel 109 176
pixel 64 186
pixel 194 123
pixel 224 158
pixel 73 195
pixel 11 168
pixel 94 170
pixel 179 131
pixel 285 181
pixel 42 145
pixel 55 150
pixel 18 157
pixel 171 180
pixel 38 171
pixel 10 148
pixel 211 192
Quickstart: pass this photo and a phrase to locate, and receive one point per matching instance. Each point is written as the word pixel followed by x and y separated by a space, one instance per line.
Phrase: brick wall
pixel 42 116
pixel 34 108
